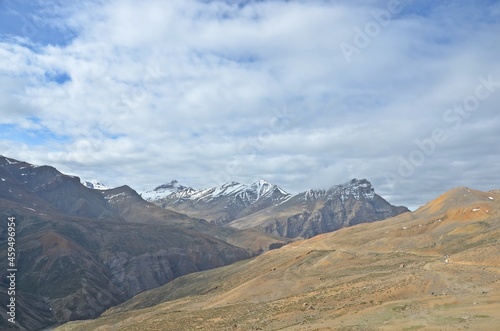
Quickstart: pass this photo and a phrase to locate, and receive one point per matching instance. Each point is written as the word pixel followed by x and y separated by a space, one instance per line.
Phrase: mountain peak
pixel 230 184
pixel 173 185
pixel 460 198
pixel 355 182
pixel 355 187
pixel 263 187
pixel 95 185
pixel 9 161
pixel 164 190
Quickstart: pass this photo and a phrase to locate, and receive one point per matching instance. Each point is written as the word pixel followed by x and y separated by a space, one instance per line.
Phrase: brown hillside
pixel 435 269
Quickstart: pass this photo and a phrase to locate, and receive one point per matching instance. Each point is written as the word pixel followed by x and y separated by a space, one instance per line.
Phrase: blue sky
pixel 304 94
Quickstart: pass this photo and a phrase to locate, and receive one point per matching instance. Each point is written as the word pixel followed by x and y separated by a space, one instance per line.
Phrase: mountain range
pixel 269 208
pixel 220 205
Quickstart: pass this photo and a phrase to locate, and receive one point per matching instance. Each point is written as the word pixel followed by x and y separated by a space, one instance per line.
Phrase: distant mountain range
pixel 269 208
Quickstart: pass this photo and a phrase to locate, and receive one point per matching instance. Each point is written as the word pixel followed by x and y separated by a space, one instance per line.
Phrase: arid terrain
pixel 81 251
pixel 437 268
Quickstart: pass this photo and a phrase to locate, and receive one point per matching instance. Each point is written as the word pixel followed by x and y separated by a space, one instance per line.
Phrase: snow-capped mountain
pixel 318 211
pixel 220 204
pixel 249 193
pixel 95 185
pixel 267 207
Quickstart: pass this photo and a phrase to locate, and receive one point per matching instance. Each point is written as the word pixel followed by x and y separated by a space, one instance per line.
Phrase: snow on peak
pixel 11 161
pixel 165 190
pixel 262 188
pixel 172 186
pixel 248 193
pixel 95 185
pixel 356 188
pixel 227 189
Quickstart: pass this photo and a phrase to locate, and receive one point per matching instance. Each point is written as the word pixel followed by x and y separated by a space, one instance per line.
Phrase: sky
pixel 303 94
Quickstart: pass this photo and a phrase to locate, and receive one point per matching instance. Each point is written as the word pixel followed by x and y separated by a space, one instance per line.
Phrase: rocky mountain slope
pixel 269 208
pixel 437 268
pixel 81 251
pixel 315 212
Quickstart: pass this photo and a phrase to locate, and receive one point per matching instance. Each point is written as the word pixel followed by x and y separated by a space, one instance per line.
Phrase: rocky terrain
pixel 437 268
pixel 81 251
pixel 269 208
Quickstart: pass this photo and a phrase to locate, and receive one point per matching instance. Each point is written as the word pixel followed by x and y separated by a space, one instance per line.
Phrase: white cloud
pixel 191 90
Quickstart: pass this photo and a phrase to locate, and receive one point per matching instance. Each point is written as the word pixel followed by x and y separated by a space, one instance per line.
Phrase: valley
pixel 437 268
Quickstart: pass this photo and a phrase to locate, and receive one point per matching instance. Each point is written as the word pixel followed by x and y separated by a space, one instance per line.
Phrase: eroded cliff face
pixel 135 274
pixel 79 269
pixel 320 211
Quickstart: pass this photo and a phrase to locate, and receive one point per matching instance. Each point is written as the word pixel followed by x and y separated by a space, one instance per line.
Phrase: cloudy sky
pixel 304 94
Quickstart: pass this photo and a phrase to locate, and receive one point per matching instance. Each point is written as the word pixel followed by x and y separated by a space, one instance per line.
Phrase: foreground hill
pixel 437 268
pixel 81 251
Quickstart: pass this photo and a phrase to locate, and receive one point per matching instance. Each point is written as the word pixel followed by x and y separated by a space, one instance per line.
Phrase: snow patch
pixel 355 188
pixel 11 162
pixel 95 185
pixel 109 197
pixel 491 198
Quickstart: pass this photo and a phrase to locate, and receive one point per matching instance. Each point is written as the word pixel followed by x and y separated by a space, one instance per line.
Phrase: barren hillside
pixel 435 269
